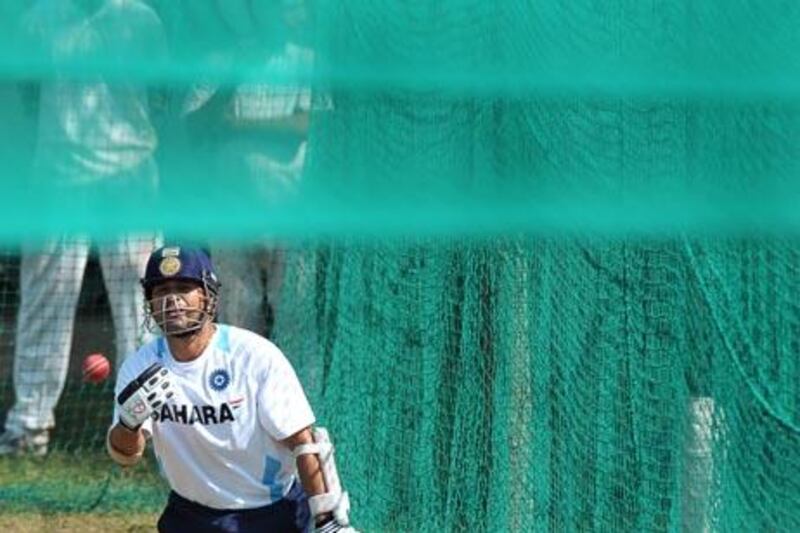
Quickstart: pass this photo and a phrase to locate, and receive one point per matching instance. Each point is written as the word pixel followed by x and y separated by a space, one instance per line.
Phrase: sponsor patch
pixel 205 415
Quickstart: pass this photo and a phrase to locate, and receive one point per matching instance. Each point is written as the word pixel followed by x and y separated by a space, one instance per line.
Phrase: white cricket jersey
pixel 217 439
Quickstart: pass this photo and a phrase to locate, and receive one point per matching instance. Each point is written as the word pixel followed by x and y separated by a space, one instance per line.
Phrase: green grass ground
pixel 77 483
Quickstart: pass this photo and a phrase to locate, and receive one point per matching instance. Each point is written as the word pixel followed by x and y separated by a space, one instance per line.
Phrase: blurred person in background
pixel 257 131
pixel 93 137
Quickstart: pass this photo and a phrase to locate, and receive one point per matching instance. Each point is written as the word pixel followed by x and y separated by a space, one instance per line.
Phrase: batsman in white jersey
pixel 230 424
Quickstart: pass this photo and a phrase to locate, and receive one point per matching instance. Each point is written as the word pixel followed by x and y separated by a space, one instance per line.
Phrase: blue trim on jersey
pixel 161 347
pixel 224 339
pixel 272 468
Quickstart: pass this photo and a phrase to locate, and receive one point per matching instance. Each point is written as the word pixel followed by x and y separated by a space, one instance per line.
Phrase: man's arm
pixel 309 468
pixel 328 502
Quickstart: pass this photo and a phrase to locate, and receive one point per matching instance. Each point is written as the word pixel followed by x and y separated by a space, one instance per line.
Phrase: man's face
pixel 178 306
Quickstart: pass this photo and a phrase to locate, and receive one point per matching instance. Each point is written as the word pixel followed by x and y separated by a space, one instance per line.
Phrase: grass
pixel 77 482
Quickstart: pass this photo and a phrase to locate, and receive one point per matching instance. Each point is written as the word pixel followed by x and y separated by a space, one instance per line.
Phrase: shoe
pixel 30 442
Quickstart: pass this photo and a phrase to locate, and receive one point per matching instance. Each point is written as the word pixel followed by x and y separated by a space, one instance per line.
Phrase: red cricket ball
pixel 96 368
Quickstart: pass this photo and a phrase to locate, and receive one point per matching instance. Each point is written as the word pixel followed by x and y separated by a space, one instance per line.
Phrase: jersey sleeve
pixel 132 366
pixel 283 408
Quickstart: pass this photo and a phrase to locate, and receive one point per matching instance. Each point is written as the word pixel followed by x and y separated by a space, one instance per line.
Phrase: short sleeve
pixel 283 408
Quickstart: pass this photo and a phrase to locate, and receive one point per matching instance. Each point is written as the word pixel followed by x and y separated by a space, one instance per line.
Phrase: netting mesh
pixel 555 385
pixel 444 117
pixel 536 263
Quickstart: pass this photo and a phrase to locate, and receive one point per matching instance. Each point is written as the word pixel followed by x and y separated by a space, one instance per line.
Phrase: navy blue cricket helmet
pixel 180 263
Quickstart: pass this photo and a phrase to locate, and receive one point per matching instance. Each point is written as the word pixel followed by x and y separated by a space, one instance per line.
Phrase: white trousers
pixel 251 276
pixel 251 282
pixel 51 276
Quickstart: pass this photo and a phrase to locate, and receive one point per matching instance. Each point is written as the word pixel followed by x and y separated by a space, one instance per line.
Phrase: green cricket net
pixel 536 263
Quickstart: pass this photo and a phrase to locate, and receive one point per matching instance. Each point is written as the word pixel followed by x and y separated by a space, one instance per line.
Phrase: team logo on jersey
pixel 170 266
pixel 219 379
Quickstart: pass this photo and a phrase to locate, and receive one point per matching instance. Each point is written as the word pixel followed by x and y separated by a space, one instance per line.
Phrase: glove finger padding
pixel 146 393
pixel 333 526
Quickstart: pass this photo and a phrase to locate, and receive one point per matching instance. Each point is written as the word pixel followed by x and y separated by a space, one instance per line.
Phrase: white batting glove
pixel 146 393
pixel 333 526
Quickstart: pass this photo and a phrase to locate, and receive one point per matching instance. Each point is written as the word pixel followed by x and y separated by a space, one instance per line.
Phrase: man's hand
pixel 146 393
